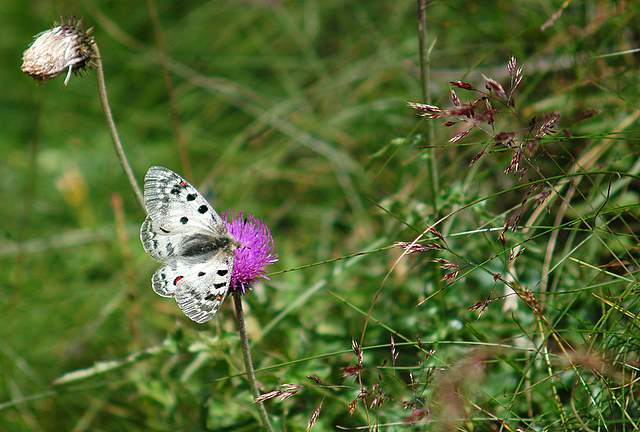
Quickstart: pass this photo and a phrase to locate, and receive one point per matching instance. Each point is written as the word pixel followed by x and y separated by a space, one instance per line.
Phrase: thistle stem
pixel 104 100
pixel 248 362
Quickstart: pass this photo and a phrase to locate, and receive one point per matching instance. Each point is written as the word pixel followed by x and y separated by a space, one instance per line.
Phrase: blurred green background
pixel 296 112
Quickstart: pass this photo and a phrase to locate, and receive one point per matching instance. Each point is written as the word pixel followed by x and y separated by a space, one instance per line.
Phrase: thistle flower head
pixel 67 47
pixel 254 253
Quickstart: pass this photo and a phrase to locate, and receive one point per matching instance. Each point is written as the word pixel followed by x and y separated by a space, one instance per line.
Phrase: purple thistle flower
pixel 256 250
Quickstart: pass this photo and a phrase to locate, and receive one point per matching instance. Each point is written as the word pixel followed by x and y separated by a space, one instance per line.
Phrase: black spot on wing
pixel 203 209
pixel 170 249
pixel 184 220
pixel 222 272
pixel 191 197
pixel 220 285
pixel 201 274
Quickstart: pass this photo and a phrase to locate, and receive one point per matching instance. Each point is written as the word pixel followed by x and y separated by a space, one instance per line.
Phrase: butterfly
pixel 189 238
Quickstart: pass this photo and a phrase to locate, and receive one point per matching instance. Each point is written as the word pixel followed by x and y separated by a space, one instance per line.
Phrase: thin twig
pixel 248 362
pixel 104 100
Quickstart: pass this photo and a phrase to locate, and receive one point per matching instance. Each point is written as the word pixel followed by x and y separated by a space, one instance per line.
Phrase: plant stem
pixel 104 100
pixel 425 78
pixel 248 363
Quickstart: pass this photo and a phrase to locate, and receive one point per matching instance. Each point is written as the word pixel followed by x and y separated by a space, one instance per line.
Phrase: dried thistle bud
pixel 67 47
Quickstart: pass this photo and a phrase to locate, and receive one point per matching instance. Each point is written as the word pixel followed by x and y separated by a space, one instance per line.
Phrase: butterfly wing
pixel 159 245
pixel 164 281
pixel 174 205
pixel 185 233
pixel 201 288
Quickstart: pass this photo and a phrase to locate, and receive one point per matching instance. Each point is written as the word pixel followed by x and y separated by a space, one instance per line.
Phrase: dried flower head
pixel 67 47
pixel 255 253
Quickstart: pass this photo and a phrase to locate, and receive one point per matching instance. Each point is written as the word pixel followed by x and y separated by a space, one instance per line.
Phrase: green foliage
pixel 296 112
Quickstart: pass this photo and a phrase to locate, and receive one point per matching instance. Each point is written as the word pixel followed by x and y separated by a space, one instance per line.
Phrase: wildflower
pixel 255 252
pixel 67 47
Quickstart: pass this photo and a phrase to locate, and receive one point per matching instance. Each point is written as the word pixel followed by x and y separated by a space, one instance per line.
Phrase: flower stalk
pixel 69 48
pixel 248 362
pixel 115 137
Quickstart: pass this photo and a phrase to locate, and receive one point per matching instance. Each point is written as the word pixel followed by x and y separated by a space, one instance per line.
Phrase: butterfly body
pixel 184 233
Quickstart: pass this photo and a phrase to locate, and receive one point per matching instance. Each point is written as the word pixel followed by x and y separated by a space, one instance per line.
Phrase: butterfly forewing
pixel 185 233
pixel 174 204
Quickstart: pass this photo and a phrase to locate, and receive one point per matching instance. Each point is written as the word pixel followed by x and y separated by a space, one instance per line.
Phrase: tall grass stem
pixel 425 79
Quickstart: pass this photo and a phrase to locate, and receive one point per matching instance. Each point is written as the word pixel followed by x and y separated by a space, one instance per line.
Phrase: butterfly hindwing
pixel 203 286
pixel 174 205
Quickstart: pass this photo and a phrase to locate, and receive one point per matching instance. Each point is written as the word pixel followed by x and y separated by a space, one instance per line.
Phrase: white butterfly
pixel 184 233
